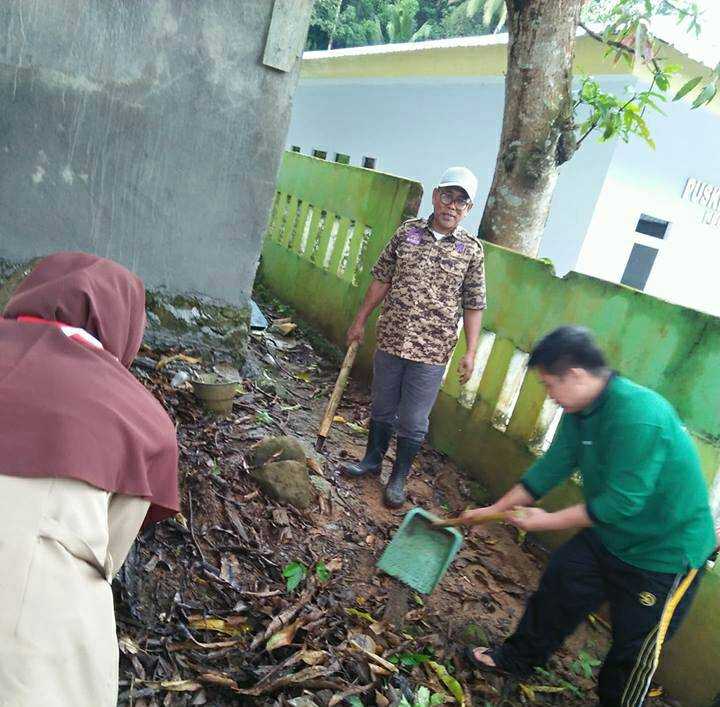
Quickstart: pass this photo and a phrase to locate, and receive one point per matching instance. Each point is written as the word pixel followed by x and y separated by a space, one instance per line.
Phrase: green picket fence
pixel 328 225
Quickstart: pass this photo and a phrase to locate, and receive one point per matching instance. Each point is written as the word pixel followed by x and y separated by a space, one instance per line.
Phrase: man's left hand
pixel 530 520
pixel 465 367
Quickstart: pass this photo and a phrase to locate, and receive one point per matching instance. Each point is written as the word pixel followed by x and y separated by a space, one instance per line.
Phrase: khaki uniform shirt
pixel 431 282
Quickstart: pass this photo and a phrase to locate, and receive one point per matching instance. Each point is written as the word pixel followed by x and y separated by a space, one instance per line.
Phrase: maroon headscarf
pixel 73 411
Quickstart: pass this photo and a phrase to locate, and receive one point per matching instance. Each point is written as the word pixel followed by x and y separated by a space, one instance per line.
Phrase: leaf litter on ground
pixel 242 600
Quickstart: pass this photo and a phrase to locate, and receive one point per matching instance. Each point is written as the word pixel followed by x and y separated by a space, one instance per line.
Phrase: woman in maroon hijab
pixel 86 455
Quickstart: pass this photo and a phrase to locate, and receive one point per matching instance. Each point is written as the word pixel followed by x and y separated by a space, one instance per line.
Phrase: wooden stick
pixel 339 389
pixel 460 520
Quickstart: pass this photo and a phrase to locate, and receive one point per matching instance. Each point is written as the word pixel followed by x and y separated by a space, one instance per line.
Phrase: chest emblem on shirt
pixel 413 236
pixel 460 247
pixel 647 599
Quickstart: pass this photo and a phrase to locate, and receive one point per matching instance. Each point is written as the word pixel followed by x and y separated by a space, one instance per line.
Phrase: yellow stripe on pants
pixel 648 660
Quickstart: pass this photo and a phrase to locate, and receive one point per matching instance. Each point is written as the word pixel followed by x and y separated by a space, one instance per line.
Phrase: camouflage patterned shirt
pixel 431 282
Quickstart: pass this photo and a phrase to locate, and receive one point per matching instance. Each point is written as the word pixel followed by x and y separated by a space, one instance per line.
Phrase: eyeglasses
pixel 462 202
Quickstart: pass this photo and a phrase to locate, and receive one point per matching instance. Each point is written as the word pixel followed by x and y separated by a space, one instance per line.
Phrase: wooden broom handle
pixel 339 389
pixel 454 522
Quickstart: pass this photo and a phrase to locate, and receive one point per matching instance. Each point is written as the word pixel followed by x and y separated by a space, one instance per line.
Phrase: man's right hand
pixel 356 333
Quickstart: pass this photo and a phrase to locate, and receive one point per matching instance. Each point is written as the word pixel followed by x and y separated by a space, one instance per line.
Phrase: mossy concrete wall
pixel 496 424
pixel 211 329
pixel 150 132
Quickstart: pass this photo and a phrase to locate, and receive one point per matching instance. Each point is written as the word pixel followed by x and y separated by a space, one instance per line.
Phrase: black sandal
pixel 479 665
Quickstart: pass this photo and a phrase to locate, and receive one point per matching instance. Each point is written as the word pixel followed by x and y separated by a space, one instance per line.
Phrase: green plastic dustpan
pixel 419 553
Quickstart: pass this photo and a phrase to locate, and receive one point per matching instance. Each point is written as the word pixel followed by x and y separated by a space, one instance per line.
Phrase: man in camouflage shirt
pixel 430 273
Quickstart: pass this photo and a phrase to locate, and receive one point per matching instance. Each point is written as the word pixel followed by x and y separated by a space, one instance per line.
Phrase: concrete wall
pixel 417 127
pixel 496 424
pixel 652 182
pixel 147 131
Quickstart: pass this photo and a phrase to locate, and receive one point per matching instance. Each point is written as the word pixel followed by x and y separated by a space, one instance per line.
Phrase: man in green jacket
pixel 647 529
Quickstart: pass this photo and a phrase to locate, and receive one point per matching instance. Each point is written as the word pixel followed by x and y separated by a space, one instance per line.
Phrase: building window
pixel 295 148
pixel 369 162
pixel 639 265
pixel 342 158
pixel 650 226
pixel 320 154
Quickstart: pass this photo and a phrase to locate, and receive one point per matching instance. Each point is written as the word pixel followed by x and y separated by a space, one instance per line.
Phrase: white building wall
pixel 418 127
pixel 645 181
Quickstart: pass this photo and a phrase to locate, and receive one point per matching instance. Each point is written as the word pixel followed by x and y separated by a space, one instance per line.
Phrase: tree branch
pixel 609 42
pixel 617 45
pixel 587 132
pixel 677 9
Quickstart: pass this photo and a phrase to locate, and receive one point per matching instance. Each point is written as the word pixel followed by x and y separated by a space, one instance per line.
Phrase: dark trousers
pixel 580 576
pixel 403 393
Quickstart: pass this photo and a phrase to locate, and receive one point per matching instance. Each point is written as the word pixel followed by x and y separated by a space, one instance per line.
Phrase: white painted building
pixel 622 212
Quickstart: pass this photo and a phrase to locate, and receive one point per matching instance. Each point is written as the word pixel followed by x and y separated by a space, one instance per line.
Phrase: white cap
pixel 460 177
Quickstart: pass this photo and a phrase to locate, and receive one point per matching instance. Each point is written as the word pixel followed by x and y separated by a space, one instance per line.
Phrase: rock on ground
pixel 287 482
pixel 276 449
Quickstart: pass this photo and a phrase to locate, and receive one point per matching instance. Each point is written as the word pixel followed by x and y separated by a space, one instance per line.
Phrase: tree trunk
pixel 538 131
pixel 334 27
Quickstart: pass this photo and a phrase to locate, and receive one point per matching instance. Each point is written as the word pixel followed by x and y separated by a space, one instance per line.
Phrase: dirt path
pixel 201 595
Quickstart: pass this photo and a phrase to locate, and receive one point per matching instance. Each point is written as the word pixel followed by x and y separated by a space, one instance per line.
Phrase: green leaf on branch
pixel 706 95
pixel 687 87
pixel 294 573
pixel 322 572
pixel 662 81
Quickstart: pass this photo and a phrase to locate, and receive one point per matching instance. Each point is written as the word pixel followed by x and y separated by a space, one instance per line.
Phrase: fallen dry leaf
pixel 218 679
pixel 180 685
pixel 284 637
pixel 335 564
pixel 220 626
pixel 300 678
pixel 378 660
pixel 164 360
pixel 285 328
pixel 314 466
pixel 230 569
pixel 378 628
pixel 195 645
pixel 280 516
pixel 312 657
pixel 128 645
pixel 343 696
pixel 360 640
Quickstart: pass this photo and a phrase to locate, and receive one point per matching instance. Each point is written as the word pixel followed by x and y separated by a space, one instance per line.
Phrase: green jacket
pixel 641 478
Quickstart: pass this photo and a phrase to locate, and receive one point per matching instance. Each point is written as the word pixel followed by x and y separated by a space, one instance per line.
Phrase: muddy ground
pixel 205 612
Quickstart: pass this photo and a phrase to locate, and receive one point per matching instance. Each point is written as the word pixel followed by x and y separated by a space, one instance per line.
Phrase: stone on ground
pixel 276 449
pixel 287 482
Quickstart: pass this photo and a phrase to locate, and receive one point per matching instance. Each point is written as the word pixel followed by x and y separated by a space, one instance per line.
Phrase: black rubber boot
pixel 404 455
pixel 378 442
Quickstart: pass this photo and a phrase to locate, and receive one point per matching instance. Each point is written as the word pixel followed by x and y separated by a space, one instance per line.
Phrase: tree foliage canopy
pixel 353 23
